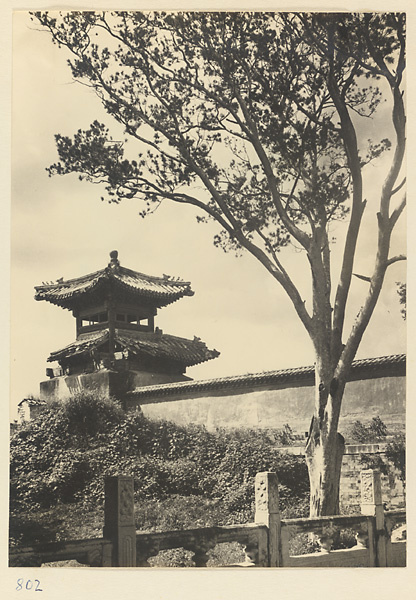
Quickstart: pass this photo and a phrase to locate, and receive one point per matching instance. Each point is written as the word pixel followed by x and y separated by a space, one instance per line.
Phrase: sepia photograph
pixel 208 290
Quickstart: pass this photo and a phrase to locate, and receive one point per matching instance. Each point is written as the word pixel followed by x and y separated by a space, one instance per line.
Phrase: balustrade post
pixel 200 550
pixel 268 513
pixel 372 506
pixel 119 525
pixel 146 551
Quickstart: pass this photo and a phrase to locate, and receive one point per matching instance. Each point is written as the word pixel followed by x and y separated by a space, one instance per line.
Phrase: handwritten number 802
pixel 29 585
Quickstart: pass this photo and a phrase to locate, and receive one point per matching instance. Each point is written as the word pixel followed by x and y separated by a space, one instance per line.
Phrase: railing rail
pixel 94 552
pixel 200 540
pixel 398 515
pixel 265 542
pixel 312 524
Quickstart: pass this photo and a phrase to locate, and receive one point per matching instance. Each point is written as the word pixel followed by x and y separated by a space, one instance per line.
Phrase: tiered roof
pixel 127 287
pixel 154 344
pixel 159 291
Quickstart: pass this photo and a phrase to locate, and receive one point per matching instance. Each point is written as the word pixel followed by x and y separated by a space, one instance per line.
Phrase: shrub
pixel 64 454
pixel 86 415
pixel 375 431
pixel 285 436
pixel 396 454
pixel 49 459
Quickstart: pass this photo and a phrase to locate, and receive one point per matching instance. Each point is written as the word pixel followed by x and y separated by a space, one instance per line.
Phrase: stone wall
pixel 274 406
pixel 350 484
pixel 105 382
pixel 377 387
pixel 391 485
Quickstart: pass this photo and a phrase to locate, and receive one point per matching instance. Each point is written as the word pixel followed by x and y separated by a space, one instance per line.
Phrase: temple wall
pixel 62 387
pixel 274 407
pixel 105 382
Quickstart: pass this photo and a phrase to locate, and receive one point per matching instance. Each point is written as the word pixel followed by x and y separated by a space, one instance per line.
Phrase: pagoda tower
pixel 117 346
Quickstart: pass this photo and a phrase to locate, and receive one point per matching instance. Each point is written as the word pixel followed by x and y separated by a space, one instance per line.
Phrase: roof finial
pixel 114 259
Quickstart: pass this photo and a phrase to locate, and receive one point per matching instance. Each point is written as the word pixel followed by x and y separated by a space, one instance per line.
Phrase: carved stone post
pixel 119 520
pixel 268 513
pixel 372 505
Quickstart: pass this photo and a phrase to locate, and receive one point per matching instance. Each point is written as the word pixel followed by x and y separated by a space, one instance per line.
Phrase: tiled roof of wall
pixel 32 402
pixel 161 291
pixel 157 344
pixel 297 374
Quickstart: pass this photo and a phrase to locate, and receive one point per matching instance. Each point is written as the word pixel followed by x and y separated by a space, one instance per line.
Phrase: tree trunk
pixel 325 447
pixel 324 459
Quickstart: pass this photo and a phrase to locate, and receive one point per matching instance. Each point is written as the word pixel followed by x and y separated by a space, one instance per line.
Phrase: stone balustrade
pixel 265 542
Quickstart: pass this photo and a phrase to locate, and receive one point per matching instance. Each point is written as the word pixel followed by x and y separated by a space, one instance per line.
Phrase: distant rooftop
pixel 159 291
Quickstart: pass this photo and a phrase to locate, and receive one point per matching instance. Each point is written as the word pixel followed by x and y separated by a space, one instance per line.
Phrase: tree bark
pixel 325 447
pixel 324 459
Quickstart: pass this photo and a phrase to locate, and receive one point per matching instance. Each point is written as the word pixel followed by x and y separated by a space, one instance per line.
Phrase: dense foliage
pixel 395 452
pixel 62 457
pixel 367 433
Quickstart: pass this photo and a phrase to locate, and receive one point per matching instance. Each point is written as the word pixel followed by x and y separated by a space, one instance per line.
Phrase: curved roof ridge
pixel 185 351
pixel 80 279
pixel 109 272
pixel 157 279
pixel 80 345
pixel 188 352
pixel 162 290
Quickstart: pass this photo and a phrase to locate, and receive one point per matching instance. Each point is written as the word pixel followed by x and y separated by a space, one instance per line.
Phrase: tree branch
pixel 394 217
pixel 299 235
pixel 358 205
pixel 395 259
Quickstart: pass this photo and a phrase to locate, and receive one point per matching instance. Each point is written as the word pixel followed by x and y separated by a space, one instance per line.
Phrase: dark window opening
pixel 132 319
pixel 93 319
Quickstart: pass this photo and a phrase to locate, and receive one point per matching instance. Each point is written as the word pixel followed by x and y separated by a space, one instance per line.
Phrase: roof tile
pixel 160 290
pixel 186 352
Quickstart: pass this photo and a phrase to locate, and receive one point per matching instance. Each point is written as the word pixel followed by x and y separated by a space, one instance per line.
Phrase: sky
pixel 60 228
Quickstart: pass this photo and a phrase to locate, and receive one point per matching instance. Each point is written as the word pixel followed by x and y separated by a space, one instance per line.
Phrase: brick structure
pixel 29 408
pixel 391 484
pixel 353 461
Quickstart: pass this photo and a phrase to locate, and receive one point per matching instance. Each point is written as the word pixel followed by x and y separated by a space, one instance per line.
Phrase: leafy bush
pixel 375 431
pixel 49 455
pixel 64 454
pixel 86 415
pixel 394 458
pixel 396 454
pixel 286 436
